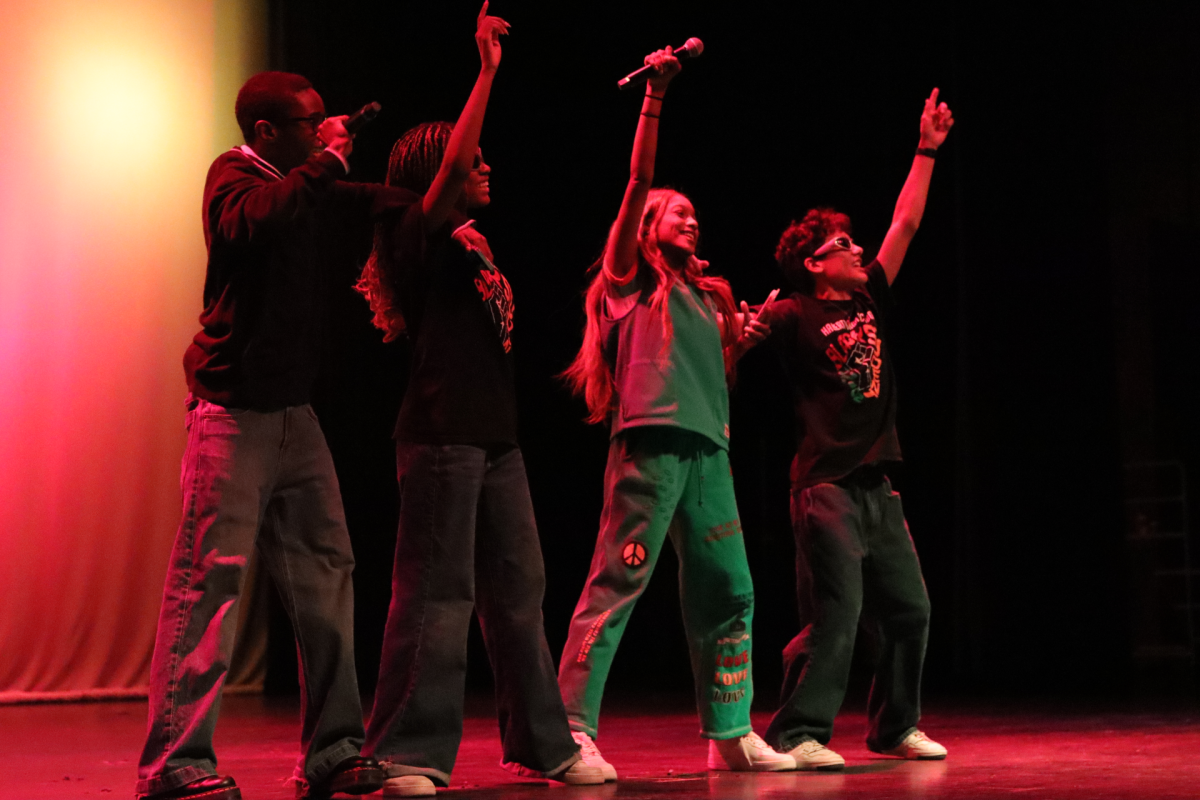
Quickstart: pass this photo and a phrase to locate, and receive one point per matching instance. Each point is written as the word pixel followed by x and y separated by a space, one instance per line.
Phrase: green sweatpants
pixel 662 480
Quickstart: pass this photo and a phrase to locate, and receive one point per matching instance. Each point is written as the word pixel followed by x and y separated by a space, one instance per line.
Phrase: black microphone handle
pixel 636 75
pixel 644 72
pixel 358 120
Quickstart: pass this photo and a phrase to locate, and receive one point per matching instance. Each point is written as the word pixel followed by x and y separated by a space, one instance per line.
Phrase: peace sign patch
pixel 634 554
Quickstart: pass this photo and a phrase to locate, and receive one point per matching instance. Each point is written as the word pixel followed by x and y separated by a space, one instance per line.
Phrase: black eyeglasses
pixel 836 243
pixel 477 164
pixel 314 120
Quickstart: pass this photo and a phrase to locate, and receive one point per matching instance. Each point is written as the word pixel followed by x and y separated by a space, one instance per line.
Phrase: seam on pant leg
pixel 285 561
pixel 293 607
pixel 433 506
pixel 628 452
pixel 492 588
pixel 189 596
pixel 804 517
pixel 692 551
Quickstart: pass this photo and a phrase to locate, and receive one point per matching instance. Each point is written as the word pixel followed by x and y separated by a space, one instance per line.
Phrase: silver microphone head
pixel 693 47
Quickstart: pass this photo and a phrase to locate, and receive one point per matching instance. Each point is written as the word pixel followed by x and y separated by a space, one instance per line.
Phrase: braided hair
pixel 414 163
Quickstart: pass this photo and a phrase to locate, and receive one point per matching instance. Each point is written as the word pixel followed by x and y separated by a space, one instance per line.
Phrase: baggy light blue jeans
pixel 267 480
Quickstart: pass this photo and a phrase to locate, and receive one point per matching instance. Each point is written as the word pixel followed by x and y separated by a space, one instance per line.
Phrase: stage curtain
pixel 114 110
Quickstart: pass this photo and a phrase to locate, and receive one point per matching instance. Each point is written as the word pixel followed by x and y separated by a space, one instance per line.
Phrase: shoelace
pixel 588 747
pixel 811 746
pixel 756 741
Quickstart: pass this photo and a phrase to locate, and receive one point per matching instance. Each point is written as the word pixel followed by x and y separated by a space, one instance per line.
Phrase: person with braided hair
pixel 467 538
pixel 660 340
pixel 854 555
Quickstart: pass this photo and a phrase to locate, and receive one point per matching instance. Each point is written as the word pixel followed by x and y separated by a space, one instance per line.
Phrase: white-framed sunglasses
pixel 836 243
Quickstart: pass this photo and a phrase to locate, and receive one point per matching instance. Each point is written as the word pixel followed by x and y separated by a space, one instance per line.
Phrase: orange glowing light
pixel 115 109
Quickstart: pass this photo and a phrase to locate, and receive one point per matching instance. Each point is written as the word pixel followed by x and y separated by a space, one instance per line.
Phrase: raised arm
pixel 464 141
pixel 936 121
pixel 620 255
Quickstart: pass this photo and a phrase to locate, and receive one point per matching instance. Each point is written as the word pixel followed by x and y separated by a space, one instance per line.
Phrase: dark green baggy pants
pixel 854 557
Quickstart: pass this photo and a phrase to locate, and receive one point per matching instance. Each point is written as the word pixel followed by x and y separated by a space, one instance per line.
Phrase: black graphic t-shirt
pixel 458 309
pixel 837 362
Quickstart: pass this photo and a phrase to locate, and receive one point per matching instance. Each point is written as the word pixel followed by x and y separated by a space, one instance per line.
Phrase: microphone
pixel 359 119
pixel 693 48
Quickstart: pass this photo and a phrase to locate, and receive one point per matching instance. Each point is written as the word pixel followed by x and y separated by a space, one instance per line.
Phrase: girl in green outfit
pixel 661 337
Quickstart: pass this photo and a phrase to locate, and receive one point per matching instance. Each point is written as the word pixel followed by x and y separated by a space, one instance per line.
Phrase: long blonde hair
pixel 589 374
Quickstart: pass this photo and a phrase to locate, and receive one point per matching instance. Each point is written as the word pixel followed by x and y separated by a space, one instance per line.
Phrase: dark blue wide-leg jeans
pixel 467 541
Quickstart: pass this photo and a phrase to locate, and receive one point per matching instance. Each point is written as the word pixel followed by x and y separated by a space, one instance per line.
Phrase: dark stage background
pixel 1048 304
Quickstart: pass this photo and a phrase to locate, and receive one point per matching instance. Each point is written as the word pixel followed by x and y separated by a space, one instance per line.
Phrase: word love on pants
pixel 732 678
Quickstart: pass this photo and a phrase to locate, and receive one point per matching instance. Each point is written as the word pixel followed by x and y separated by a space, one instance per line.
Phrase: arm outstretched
pixel 464 142
pixel 620 255
pixel 936 121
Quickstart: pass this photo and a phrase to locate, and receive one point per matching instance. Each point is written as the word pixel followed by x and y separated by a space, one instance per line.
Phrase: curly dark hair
pixel 267 95
pixel 801 240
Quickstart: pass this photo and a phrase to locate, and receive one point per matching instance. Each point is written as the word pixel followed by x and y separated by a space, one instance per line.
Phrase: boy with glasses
pixel 853 551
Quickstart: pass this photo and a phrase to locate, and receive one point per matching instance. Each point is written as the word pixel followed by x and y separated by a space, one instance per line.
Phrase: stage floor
pixel 55 752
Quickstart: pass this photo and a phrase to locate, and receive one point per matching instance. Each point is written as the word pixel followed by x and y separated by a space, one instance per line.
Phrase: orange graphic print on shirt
pixel 856 352
pixel 497 295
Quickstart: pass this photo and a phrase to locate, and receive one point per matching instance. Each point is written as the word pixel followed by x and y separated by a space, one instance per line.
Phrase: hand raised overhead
pixel 666 66
pixel 936 121
pixel 487 36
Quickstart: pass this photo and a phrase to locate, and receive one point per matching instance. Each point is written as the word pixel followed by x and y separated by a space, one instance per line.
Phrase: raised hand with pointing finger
pixel 487 36
pixel 936 122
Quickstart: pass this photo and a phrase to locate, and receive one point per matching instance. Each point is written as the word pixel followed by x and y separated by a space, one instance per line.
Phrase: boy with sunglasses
pixel 852 543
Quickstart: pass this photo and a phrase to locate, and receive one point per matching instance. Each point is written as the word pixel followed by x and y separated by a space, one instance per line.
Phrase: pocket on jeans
pixel 218 420
pixel 207 408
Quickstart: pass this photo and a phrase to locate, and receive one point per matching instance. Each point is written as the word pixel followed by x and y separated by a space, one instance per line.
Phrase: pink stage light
pixel 115 110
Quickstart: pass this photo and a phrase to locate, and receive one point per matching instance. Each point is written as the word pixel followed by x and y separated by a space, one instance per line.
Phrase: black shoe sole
pixel 359 781
pixel 224 793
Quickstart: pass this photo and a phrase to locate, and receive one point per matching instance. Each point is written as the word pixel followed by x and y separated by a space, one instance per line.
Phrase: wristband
pixel 657 97
pixel 648 114
pixel 928 152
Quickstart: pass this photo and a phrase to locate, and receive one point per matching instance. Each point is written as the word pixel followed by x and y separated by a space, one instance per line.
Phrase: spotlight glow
pixel 112 108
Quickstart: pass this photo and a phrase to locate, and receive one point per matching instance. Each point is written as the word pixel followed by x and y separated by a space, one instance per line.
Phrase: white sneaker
pixel 917 746
pixel 812 754
pixel 747 753
pixel 582 774
pixel 409 786
pixel 591 755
